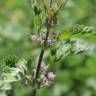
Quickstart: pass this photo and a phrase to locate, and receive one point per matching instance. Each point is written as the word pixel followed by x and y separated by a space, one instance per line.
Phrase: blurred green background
pixel 76 74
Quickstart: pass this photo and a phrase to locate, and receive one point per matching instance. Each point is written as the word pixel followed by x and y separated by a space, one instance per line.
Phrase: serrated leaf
pixel 12 74
pixel 77 31
pixel 63 51
pixel 73 46
pixel 21 64
pixel 8 78
pixel 6 86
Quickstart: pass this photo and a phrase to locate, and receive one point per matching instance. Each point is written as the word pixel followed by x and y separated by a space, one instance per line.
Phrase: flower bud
pixel 45 82
pixel 51 75
pixel 34 37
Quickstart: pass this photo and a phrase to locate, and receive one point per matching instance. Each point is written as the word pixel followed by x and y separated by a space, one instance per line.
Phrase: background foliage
pixel 76 73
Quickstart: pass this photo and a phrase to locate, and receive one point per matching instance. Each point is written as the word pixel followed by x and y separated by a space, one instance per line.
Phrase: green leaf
pixel 73 46
pixel 6 86
pixel 22 65
pixel 12 74
pixel 45 8
pixel 37 22
pixel 10 61
pixel 37 9
pixel 77 31
pixel 63 50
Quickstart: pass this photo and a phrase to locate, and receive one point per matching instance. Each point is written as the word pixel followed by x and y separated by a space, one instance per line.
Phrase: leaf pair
pixel 12 74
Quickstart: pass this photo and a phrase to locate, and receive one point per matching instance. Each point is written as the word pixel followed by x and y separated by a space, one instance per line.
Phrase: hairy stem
pixel 40 61
pixel 41 55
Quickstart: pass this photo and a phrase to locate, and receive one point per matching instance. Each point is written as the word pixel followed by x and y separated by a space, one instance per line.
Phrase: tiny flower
pixel 51 75
pixel 45 82
pixel 44 66
pixel 34 37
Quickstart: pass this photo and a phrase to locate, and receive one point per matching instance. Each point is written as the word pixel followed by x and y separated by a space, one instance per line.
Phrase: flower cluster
pixel 41 38
pixel 47 81
pixel 45 77
pixel 34 37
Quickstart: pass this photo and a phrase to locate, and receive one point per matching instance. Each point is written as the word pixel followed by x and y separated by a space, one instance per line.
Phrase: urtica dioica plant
pixel 45 16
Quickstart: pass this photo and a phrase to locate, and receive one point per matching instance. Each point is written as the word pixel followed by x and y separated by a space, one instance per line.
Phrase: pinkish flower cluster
pixel 46 77
pixel 51 75
pixel 34 37
pixel 40 38
pixel 47 81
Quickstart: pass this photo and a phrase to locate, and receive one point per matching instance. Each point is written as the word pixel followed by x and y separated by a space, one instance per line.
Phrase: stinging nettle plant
pixel 50 19
pixel 45 15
